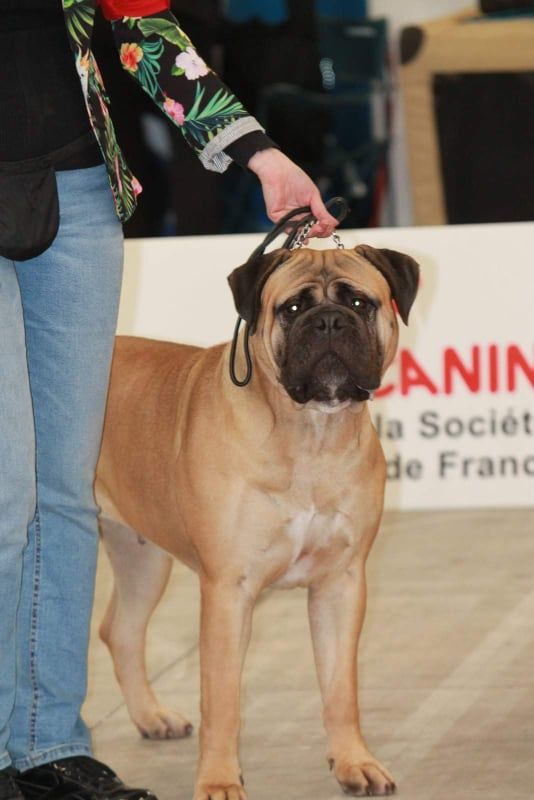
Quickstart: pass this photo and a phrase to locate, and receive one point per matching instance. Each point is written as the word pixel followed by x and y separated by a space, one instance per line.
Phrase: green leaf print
pixel 222 104
pixel 148 68
pixel 193 111
pixel 222 109
pixel 120 176
pixel 166 29
pixel 79 19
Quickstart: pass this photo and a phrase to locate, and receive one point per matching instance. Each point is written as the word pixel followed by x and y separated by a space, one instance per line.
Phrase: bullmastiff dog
pixel 277 484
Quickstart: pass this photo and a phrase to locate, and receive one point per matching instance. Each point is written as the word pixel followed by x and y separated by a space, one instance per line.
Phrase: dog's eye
pixel 289 309
pixel 360 303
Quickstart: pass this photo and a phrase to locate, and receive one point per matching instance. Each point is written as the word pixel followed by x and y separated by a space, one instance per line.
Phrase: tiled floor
pixel 446 664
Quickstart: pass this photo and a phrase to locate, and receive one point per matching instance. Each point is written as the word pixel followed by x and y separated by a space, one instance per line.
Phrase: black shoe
pixel 8 788
pixel 76 778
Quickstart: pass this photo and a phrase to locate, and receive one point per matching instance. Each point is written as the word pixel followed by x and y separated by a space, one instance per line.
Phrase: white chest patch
pixel 317 539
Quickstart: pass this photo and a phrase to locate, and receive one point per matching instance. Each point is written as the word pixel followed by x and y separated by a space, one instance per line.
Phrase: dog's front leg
pixel 225 631
pixel 336 609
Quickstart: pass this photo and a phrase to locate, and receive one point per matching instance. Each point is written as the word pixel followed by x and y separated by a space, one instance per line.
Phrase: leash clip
pixel 303 232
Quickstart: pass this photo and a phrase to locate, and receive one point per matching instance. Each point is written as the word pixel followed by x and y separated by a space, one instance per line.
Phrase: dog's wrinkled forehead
pixel 318 269
pixel 384 272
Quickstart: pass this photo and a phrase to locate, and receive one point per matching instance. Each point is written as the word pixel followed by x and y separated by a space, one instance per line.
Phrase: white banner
pixel 456 415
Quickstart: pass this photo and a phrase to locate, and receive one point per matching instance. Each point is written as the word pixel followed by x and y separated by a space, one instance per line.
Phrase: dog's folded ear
pixel 247 282
pixel 400 271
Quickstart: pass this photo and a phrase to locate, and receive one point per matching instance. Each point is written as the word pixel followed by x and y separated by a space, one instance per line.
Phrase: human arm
pixel 156 52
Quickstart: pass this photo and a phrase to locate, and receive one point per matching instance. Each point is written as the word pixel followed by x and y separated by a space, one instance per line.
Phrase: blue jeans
pixel 58 316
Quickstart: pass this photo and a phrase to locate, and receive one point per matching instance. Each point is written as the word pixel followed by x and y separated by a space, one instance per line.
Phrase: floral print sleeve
pixel 159 55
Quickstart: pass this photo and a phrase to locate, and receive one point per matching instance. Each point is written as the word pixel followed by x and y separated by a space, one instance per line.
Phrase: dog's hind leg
pixel 141 572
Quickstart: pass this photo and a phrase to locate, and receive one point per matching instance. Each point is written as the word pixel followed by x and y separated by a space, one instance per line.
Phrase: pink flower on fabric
pixel 193 66
pixel 103 107
pixel 118 173
pixel 175 110
pixel 136 186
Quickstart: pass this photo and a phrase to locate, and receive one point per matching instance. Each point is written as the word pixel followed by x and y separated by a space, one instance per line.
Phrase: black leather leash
pixel 298 231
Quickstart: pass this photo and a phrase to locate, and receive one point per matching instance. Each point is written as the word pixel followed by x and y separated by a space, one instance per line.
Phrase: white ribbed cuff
pixel 213 156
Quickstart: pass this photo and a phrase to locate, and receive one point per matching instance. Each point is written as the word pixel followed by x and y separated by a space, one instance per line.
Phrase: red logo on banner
pixel 493 368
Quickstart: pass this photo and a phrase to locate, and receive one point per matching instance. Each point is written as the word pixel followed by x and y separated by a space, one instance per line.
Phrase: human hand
pixel 286 186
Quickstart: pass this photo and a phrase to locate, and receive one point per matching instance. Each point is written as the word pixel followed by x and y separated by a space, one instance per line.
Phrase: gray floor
pixel 446 664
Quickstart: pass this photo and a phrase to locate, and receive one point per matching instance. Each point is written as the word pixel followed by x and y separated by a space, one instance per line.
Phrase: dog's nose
pixel 331 321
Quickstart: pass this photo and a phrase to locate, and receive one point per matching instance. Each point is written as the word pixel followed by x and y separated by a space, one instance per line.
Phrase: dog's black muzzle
pixel 331 356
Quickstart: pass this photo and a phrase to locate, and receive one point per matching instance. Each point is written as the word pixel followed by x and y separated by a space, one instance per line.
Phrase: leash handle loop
pixel 246 349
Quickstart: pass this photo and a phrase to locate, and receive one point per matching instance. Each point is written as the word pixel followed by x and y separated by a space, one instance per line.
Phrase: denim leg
pixel 70 300
pixel 17 483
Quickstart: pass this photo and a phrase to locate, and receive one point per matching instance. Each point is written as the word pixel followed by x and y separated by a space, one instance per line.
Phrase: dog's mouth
pixel 329 382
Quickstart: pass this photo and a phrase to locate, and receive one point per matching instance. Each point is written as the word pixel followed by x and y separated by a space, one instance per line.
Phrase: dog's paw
pixel 213 791
pixel 160 723
pixel 363 777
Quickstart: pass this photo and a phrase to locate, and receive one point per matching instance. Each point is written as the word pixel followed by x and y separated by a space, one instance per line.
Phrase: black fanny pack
pixel 29 205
